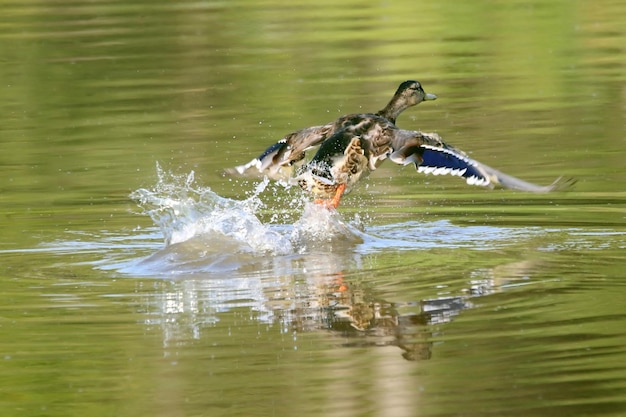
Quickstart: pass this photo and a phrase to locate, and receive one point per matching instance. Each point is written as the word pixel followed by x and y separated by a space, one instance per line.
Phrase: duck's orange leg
pixel 334 202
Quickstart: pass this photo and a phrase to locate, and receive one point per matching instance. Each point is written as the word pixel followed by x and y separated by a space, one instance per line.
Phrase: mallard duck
pixel 356 144
pixel 277 160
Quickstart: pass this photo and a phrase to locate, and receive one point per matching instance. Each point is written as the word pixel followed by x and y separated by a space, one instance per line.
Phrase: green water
pixel 432 298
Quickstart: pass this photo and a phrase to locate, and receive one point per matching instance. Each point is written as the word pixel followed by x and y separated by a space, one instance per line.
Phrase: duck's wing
pixel 433 156
pixel 284 153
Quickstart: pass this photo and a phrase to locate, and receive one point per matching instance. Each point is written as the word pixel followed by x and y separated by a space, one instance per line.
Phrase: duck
pixel 278 160
pixel 354 145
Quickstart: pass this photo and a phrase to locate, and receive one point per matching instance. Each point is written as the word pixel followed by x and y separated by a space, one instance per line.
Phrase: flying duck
pixel 355 144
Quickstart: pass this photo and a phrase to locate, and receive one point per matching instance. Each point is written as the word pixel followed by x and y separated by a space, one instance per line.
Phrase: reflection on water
pixel 190 309
pixel 289 275
pixel 220 256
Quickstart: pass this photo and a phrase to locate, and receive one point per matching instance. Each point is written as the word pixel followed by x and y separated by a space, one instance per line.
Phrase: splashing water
pixel 206 233
pixel 184 211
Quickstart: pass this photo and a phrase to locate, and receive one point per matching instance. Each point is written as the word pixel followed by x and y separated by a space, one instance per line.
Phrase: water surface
pixel 138 281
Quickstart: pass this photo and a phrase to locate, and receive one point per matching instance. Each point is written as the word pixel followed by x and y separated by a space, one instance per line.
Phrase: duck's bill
pixel 430 97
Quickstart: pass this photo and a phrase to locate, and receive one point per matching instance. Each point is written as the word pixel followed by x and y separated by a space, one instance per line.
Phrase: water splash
pixel 319 228
pixel 184 211
pixel 205 232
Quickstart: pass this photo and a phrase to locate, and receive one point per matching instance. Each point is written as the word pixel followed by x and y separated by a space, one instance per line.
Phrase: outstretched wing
pixel 444 161
pixel 284 153
pixel 438 158
pixel 441 160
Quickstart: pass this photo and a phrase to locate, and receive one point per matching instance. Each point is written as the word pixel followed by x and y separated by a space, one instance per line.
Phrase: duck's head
pixel 411 93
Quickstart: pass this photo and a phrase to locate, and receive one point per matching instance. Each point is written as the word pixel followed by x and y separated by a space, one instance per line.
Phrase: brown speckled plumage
pixel 353 145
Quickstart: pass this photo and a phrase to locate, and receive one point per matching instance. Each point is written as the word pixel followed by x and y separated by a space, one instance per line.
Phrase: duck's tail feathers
pixel 278 161
pixel 445 160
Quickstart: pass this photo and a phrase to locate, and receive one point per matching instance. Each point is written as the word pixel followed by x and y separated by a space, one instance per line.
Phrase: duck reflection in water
pixel 347 309
pixel 354 145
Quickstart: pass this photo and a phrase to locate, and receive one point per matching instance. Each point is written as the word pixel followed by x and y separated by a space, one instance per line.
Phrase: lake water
pixel 138 281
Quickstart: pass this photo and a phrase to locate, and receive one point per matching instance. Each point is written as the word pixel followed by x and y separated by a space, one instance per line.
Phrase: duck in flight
pixel 355 144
